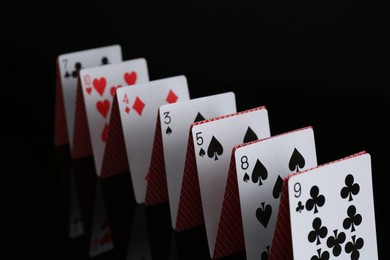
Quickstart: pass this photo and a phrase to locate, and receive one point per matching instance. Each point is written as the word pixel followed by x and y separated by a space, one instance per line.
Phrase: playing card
pixel 98 86
pixel 261 167
pixel 332 210
pixel 68 67
pixel 213 142
pixel 138 107
pixel 101 238
pixel 175 121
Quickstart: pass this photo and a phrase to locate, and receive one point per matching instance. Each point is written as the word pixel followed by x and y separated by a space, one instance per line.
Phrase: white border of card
pixel 213 143
pixel 261 167
pixel 99 85
pixel 176 120
pixel 70 64
pixel 332 211
pixel 138 107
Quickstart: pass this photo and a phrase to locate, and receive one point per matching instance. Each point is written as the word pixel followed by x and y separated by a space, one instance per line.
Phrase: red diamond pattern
pixel 172 97
pixel 138 105
pixel 127 110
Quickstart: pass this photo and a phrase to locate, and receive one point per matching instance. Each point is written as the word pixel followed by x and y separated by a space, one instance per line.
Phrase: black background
pixel 313 63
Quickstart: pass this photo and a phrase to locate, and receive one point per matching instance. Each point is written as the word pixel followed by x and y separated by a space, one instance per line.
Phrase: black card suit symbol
pixel 246 177
pixel 168 131
pixel 67 75
pixel 77 67
pixel 259 173
pixel 318 231
pixel 353 219
pixel 105 61
pixel 263 214
pixel 201 152
pixel 335 242
pixel 296 161
pixel 215 148
pixel 316 199
pixel 354 246
pixel 265 254
pixel 250 135
pixel 350 189
pixel 199 117
pixel 277 187
pixel 321 256
pixel 300 207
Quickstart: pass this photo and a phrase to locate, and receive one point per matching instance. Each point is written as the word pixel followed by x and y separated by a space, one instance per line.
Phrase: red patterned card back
pixel 115 156
pixel 81 138
pixel 60 127
pixel 230 234
pixel 157 188
pixel 190 211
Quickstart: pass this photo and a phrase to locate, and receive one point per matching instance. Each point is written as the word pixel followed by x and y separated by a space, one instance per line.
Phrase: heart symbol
pixel 263 214
pixel 130 78
pixel 89 90
pixel 100 85
pixel 104 133
pixel 113 89
pixel 103 107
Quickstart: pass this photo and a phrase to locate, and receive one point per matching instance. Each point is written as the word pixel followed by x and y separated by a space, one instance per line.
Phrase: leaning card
pixel 213 142
pixel 69 65
pixel 138 107
pixel 332 211
pixel 175 120
pixel 261 167
pixel 98 87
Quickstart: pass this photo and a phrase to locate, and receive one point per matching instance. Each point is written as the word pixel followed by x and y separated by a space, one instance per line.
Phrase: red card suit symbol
pixel 138 106
pixel 171 98
pixel 130 78
pixel 104 133
pixel 103 107
pixel 113 88
pixel 100 85
pixel 127 110
pixel 89 90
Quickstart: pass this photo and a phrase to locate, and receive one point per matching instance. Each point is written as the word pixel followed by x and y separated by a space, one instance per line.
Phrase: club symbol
pixel 352 219
pixel 250 135
pixel 246 177
pixel 77 67
pixel 300 207
pixel 215 148
pixel 296 161
pixel 335 242
pixel 259 173
pixel 320 256
pixel 350 189
pixel 318 231
pixel 316 199
pixel 354 246
pixel 105 61
pixel 265 254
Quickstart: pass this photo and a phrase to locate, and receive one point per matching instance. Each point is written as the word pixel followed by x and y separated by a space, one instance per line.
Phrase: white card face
pixel 101 238
pixel 332 211
pixel 261 167
pixel 70 64
pixel 99 85
pixel 213 144
pixel 175 122
pixel 138 108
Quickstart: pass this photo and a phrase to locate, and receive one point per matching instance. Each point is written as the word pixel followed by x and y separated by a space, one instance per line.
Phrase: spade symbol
pixel 259 173
pixel 278 187
pixel 246 177
pixel 199 117
pixel 263 214
pixel 201 152
pixel 250 135
pixel 168 131
pixel 67 75
pixel 265 254
pixel 215 148
pixel 296 161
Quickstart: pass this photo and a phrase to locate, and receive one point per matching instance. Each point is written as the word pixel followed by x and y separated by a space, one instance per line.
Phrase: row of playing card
pixel 216 166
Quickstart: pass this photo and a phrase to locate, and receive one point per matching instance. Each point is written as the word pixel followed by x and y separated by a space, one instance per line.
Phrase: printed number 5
pixel 199 138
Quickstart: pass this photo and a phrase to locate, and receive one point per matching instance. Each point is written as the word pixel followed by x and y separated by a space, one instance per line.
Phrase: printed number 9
pixel 297 189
